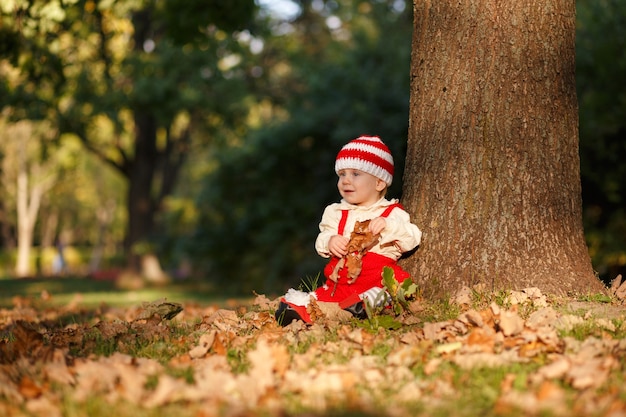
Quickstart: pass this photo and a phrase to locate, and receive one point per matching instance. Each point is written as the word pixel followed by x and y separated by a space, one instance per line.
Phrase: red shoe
pixel 286 313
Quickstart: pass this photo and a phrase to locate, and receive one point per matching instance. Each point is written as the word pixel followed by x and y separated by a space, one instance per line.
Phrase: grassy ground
pixel 501 355
pixel 90 293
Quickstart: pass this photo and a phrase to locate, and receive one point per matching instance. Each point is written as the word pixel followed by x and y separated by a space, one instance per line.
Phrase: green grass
pixel 595 298
pixel 590 328
pixel 90 293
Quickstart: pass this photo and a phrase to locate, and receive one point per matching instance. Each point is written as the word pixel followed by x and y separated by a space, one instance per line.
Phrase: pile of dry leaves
pixel 239 362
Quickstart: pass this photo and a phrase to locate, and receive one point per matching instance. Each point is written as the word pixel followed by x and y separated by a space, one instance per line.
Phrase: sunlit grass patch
pixel 440 310
pixel 615 328
pixel 91 293
pixel 595 298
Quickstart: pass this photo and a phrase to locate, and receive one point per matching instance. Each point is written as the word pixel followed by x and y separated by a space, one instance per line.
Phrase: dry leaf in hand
pixel 361 241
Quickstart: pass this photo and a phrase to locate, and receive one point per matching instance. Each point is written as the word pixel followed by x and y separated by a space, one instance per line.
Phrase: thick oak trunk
pixel 492 169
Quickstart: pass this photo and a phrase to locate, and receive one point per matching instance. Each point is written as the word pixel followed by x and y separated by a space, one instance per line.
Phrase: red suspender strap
pixel 390 208
pixel 342 222
pixel 344 216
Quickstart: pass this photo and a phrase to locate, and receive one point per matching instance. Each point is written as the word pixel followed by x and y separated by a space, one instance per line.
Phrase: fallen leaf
pixel 591 373
pixel 432 366
pixel 204 344
pixel 43 407
pixel 555 370
pixel 332 311
pixel 434 331
pixel 510 323
pixel 24 340
pixel 405 356
pixel 463 296
pixel 57 370
pixel 473 318
pixel 264 303
pixel 481 339
pixel 163 309
pixel 28 388
pixel 447 348
pixel 545 317
pixel 223 319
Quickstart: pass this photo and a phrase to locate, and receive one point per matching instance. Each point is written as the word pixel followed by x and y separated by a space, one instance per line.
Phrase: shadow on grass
pixel 91 293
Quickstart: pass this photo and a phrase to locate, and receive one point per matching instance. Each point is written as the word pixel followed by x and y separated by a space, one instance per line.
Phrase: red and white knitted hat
pixel 368 154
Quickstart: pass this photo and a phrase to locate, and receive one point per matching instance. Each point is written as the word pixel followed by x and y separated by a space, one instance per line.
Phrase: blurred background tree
pixel 212 127
pixel 138 83
pixel 342 72
pixel 600 71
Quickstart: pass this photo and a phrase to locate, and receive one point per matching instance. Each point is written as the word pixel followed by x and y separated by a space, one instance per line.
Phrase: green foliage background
pixel 259 167
pixel 600 71
pixel 260 209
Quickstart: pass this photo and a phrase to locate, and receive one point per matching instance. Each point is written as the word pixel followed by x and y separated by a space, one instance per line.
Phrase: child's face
pixel 360 188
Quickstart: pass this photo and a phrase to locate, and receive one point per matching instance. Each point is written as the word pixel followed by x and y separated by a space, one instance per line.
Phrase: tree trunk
pixel 29 194
pixel 25 224
pixel 492 170
pixel 141 170
pixel 49 228
pixel 141 203
pixel 7 240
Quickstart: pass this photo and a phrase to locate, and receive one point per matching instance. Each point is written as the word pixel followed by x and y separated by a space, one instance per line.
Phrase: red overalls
pixel 373 264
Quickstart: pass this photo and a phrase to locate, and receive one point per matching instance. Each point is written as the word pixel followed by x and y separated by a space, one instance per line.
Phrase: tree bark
pixel 7 240
pixel 141 169
pixel 141 202
pixel 26 210
pixel 29 192
pixel 492 169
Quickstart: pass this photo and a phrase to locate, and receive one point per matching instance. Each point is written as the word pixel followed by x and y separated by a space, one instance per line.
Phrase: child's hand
pixel 377 225
pixel 338 246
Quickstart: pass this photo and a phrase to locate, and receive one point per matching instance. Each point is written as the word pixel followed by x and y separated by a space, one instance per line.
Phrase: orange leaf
pixel 482 339
pixel 29 388
pixel 218 345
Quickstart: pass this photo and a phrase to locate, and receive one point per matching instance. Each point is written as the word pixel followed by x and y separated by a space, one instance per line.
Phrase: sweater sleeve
pixel 400 230
pixel 329 226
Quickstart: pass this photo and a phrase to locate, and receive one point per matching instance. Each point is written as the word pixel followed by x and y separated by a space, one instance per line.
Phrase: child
pixel 365 169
